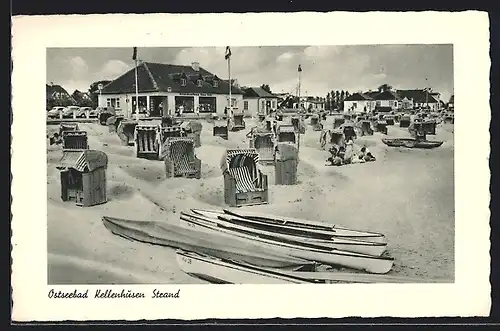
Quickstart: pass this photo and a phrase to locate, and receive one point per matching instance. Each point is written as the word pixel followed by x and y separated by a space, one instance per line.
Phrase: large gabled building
pixel 166 89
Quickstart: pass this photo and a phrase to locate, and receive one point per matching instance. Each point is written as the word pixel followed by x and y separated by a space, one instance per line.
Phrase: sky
pixel 324 68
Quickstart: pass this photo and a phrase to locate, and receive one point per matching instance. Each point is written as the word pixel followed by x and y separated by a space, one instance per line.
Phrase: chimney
pixel 195 66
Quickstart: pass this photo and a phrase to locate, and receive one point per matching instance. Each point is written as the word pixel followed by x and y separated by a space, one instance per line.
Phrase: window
pixel 199 82
pixel 183 81
pixel 216 83
pixel 274 103
pixel 245 105
pixel 263 104
pixel 355 105
pixel 207 104
pixel 113 102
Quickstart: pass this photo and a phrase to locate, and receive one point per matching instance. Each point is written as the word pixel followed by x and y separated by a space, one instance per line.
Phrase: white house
pixel 166 89
pixel 257 101
pixel 359 103
pixel 420 98
pixel 313 103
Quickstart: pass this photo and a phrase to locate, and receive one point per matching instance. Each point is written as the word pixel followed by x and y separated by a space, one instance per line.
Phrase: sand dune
pixel 406 194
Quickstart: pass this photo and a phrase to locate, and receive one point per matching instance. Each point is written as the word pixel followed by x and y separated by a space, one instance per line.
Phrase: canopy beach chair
pixel 298 124
pixel 430 126
pixel 126 131
pixel 405 121
pixel 113 122
pixel 347 117
pixel 63 127
pixel 389 119
pixel 244 183
pixel 148 140
pixel 286 160
pixel 221 128
pixel 237 122
pixel 449 119
pixel 333 137
pixel 83 177
pixel 264 143
pixel 348 130
pixel 338 121
pixel 316 122
pixel 180 159
pixel 75 140
pixel 106 113
pixel 381 126
pixel 365 128
pixel 417 130
pixel 285 133
pixel 192 129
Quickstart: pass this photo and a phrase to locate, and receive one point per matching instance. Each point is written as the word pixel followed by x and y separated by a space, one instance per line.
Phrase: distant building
pixel 391 99
pixel 359 102
pixel 257 101
pixel 56 95
pixel 313 103
pixel 167 89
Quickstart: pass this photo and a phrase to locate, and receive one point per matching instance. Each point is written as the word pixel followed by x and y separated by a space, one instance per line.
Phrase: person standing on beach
pixel 349 152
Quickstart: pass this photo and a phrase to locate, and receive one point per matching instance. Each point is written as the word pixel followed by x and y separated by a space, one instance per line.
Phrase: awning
pixel 87 160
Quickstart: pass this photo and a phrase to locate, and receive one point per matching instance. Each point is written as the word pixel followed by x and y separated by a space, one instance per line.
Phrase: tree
pixel 327 106
pixel 384 87
pixel 337 100
pixel 266 88
pixel 93 91
pixel 341 100
pixel 82 99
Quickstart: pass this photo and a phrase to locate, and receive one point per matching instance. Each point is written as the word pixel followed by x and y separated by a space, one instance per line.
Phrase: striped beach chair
pixel 180 159
pixel 244 183
pixel 264 143
pixel 75 140
pixel 286 133
pixel 148 139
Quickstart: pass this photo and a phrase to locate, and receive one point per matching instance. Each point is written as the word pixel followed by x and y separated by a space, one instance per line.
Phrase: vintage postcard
pixel 184 170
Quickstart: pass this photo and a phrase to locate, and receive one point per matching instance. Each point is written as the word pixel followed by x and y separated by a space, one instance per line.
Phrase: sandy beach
pixel 407 194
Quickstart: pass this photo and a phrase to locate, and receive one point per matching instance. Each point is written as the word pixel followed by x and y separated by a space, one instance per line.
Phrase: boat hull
pixel 174 236
pixel 224 272
pixel 357 246
pixel 372 264
pixel 411 143
pixel 318 229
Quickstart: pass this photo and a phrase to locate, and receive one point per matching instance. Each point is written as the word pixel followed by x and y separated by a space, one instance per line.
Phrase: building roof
pixel 387 95
pixel 452 99
pixel 358 97
pixel 418 96
pixel 51 89
pixel 159 77
pixel 258 92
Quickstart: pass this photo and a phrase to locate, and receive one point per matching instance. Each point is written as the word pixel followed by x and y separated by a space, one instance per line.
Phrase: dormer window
pixel 199 82
pixel 216 83
pixel 183 81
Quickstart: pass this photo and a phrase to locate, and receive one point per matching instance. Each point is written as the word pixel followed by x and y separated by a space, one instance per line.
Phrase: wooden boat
pixel 228 221
pixel 310 252
pixel 172 235
pixel 317 229
pixel 219 271
pixel 411 143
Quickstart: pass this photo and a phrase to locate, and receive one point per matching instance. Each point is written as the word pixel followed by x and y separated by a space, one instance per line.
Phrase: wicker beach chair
pixel 337 122
pixel 126 131
pixel 365 128
pixel 286 160
pixel 148 139
pixel 286 133
pixel 180 159
pixel 264 143
pixel 63 127
pixel 221 128
pixel 244 183
pixel 430 126
pixel 237 122
pixel 83 177
pixel 75 140
pixel 405 121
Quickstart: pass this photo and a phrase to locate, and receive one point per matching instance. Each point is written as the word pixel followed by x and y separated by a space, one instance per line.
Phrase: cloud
pixel 77 66
pixel 285 57
pixel 113 69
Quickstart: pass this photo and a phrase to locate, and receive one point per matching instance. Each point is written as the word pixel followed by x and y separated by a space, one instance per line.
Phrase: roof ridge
pixel 150 74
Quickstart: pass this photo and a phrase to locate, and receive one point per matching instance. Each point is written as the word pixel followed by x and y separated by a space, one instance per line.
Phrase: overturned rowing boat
pixel 411 143
pixel 220 271
pixel 310 252
pixel 312 228
pixel 171 235
pixel 294 235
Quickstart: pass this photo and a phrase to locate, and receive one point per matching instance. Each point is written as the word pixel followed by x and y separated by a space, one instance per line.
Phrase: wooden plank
pixel 87 189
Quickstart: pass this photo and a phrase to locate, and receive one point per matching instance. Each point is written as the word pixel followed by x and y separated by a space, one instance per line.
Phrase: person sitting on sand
pixel 369 157
pixel 349 151
pixel 55 139
pixel 333 154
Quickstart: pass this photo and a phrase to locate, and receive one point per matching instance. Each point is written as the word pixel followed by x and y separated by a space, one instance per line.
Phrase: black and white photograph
pixel 329 163
pixel 308 175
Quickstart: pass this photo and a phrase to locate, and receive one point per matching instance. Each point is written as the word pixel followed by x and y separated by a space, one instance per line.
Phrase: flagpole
pixel 136 93
pixel 300 72
pixel 229 73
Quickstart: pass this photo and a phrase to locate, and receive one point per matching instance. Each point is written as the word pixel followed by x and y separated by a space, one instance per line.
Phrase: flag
pixel 134 56
pixel 300 68
pixel 228 53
